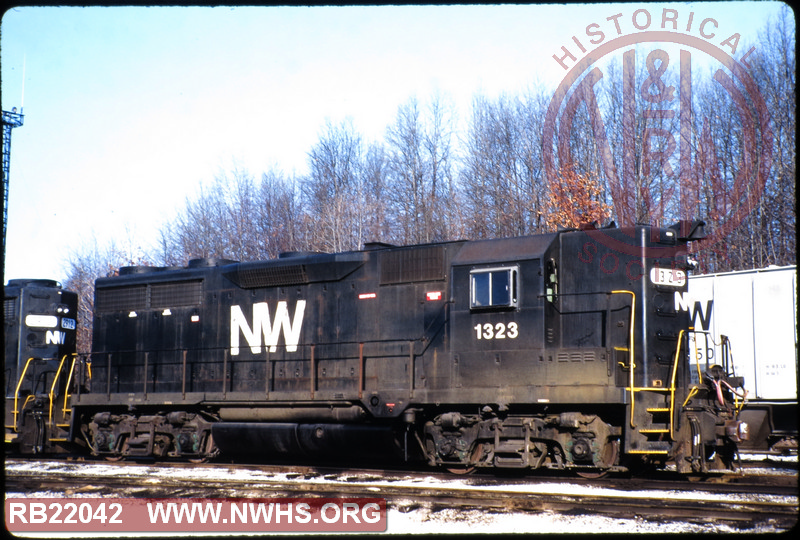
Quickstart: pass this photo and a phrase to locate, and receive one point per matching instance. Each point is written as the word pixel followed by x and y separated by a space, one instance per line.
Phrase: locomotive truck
pixel 565 350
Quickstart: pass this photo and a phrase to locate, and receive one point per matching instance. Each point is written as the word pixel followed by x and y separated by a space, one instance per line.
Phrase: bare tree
pixel 737 143
pixel 332 190
pixel 277 216
pixel 198 231
pixel 774 70
pixel 420 177
pixel 501 177
pixel 88 264
pixel 377 227
pixel 239 226
pixel 419 185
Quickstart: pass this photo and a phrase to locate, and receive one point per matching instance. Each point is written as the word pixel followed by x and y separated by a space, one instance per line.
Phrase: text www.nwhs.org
pixel 63 515
pixel 249 512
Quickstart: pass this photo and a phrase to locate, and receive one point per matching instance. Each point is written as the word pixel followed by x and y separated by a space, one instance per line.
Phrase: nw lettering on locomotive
pixel 269 330
pixel 54 337
pixel 683 302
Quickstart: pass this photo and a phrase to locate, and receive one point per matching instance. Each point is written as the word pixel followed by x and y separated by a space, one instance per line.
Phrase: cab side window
pixel 551 281
pixel 494 287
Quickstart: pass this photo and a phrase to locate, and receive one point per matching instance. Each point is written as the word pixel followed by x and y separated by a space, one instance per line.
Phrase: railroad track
pixel 739 503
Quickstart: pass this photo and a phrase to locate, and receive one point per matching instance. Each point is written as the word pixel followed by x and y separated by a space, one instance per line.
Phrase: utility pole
pixel 10 121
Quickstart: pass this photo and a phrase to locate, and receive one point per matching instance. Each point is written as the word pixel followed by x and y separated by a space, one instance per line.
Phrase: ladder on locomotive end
pixel 653 412
pixel 652 408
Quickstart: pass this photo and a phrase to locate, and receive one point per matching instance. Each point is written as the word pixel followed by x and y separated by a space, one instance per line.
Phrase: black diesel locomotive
pixel 39 323
pixel 563 350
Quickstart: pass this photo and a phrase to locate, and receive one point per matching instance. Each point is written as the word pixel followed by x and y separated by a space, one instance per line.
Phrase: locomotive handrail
pixel 631 387
pixel 360 370
pixel 16 391
pixel 586 293
pixel 404 340
pixel 52 393
pixel 692 391
pixel 183 374
pixel 706 335
pixel 672 385
pixel 69 381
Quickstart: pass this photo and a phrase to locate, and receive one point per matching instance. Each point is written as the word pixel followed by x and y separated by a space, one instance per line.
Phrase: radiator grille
pixel 150 296
pixel 128 298
pixel 180 294
pixel 410 265
pixel 9 309
pixel 271 276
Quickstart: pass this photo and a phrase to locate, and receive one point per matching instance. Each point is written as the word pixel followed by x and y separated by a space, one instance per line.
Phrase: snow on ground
pixel 412 517
pixel 449 521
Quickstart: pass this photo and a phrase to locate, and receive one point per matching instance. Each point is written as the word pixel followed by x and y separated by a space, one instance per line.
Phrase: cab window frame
pixel 494 288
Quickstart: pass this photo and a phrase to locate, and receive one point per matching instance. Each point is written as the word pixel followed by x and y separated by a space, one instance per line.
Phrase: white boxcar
pixel 757 311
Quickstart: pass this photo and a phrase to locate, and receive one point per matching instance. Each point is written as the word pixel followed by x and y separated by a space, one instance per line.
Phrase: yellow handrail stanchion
pixel 69 381
pixel 16 393
pixel 672 387
pixel 52 393
pixel 631 388
pixel 692 391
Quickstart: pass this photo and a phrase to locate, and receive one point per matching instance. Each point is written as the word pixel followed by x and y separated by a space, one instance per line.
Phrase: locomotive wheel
pixel 610 453
pixel 467 469
pixel 592 475
pixel 462 470
pixel 210 451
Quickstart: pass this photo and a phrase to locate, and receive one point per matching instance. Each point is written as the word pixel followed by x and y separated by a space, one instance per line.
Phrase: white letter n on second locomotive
pixel 261 326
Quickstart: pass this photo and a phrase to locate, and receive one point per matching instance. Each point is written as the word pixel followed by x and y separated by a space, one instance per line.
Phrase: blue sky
pixel 129 110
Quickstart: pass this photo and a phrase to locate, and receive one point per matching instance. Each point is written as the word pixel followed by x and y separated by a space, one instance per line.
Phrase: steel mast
pixel 10 121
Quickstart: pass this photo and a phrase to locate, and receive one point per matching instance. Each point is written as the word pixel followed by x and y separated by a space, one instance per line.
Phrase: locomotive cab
pixel 575 351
